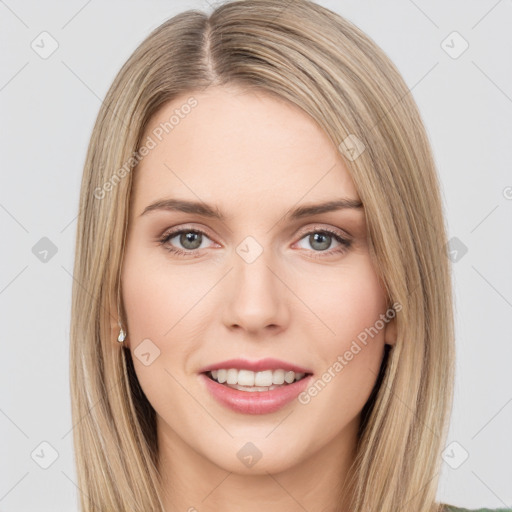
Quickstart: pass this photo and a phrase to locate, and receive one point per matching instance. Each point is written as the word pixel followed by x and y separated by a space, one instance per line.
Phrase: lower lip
pixel 255 402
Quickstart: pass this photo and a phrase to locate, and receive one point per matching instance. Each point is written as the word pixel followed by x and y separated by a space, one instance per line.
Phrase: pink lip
pixel 255 402
pixel 255 366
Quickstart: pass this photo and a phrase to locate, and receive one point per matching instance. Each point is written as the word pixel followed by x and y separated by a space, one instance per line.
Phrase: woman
pixel 262 312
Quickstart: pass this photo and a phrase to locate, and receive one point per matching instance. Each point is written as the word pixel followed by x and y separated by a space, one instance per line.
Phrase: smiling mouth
pixel 246 380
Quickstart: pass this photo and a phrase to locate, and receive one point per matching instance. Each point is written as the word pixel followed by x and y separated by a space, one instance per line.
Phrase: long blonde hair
pixel 316 59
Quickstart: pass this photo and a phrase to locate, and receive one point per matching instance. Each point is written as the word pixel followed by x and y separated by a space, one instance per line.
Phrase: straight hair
pixel 314 58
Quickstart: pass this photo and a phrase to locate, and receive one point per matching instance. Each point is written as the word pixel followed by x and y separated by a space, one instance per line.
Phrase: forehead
pixel 235 146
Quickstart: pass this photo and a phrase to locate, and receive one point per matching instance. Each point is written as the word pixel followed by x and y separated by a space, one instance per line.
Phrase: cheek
pixel 346 302
pixel 350 335
pixel 156 296
pixel 348 345
pixel 148 307
pixel 351 349
pixel 156 303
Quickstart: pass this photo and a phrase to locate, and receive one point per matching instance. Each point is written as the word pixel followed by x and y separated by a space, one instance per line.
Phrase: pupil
pixel 327 240
pixel 190 238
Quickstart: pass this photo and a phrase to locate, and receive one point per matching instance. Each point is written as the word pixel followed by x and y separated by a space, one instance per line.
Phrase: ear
pixel 390 332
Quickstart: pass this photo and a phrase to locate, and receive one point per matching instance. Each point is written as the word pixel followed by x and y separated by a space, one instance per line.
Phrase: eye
pixel 322 239
pixel 192 241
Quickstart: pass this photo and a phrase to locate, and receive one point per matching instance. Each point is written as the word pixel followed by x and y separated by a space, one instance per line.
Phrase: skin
pixel 254 157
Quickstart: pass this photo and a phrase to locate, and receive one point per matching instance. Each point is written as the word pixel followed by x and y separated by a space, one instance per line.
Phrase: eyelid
pixel 184 227
pixel 324 227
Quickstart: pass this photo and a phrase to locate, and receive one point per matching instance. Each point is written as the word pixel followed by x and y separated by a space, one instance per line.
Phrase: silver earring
pixel 122 335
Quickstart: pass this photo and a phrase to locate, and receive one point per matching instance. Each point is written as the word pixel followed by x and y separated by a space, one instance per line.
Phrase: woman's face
pixel 258 283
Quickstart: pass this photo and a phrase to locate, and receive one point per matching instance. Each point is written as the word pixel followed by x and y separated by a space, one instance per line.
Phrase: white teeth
pixel 263 378
pixel 232 376
pixel 248 378
pixel 244 378
pixel 278 377
pixel 289 377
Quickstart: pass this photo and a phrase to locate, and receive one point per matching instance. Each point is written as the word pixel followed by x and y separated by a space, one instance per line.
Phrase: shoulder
pixel 452 508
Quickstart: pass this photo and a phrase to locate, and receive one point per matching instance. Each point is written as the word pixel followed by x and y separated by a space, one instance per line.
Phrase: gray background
pixel 48 107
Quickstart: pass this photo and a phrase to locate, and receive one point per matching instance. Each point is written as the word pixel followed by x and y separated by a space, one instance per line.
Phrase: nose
pixel 256 296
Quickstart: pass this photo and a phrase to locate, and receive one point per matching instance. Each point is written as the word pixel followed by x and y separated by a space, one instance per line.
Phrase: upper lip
pixel 268 363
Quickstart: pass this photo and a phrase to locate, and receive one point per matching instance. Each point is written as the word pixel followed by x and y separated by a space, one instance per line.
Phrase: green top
pixel 452 508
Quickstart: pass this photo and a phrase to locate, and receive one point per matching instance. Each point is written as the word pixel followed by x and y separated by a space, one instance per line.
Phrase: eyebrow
pixel 206 210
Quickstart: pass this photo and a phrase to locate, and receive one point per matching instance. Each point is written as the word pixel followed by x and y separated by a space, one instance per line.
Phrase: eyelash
pixel 163 241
